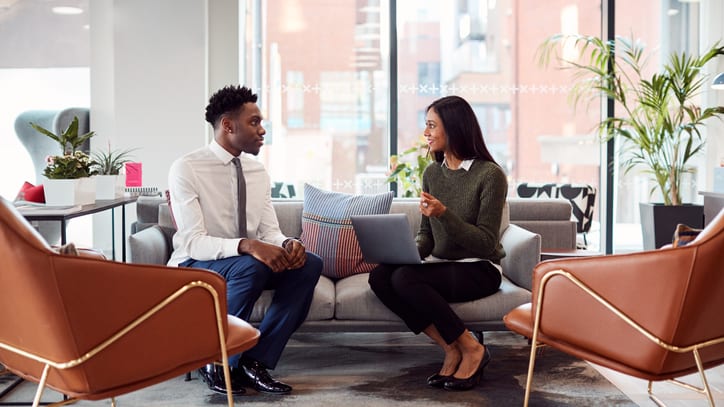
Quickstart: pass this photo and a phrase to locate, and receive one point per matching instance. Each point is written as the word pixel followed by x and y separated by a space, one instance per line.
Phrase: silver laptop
pixel 385 238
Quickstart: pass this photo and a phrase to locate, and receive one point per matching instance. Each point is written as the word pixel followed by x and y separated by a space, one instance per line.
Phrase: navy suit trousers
pixel 246 278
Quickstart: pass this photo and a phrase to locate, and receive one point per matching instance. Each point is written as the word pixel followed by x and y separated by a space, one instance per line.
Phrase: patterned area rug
pixel 349 369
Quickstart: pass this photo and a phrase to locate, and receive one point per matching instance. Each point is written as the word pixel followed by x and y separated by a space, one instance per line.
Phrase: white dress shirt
pixel 203 190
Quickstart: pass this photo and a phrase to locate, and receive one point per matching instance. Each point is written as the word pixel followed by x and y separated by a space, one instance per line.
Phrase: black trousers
pixel 420 294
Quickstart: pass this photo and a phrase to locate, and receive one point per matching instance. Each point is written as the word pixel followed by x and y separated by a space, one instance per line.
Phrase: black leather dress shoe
pixel 466 384
pixel 213 376
pixel 438 380
pixel 255 375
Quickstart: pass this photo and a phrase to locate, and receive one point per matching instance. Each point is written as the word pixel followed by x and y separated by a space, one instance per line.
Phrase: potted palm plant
pixel 69 180
pixel 107 166
pixel 658 125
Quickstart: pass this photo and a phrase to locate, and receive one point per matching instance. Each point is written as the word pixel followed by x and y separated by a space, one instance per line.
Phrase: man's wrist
pixel 289 240
pixel 243 245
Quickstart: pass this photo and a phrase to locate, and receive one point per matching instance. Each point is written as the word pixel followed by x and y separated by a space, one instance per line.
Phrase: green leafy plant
pixel 72 163
pixel 659 125
pixel 69 166
pixel 110 162
pixel 69 140
pixel 407 168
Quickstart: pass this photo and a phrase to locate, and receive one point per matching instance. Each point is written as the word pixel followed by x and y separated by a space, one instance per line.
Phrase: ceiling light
pixel 67 10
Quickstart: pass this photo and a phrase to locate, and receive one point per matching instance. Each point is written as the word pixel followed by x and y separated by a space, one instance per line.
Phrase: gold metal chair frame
pixel 658 341
pixel 93 352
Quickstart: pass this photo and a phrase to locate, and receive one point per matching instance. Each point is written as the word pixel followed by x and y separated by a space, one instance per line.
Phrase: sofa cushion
pixel 327 229
pixel 322 307
pixel 356 301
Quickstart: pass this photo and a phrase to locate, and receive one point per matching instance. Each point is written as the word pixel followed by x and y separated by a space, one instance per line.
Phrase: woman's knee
pixel 379 278
pixel 403 277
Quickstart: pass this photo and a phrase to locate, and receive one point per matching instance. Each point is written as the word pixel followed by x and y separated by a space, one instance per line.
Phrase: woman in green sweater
pixel 464 192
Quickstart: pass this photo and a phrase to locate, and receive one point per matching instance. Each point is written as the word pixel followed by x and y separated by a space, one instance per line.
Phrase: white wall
pixel 148 79
pixel 152 65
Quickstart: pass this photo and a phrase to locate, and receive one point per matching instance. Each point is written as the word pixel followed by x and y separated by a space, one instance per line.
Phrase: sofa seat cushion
pixel 322 307
pixel 356 301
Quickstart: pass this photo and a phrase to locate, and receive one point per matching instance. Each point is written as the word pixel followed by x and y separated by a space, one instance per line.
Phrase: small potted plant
pixel 407 169
pixel 69 180
pixel 107 166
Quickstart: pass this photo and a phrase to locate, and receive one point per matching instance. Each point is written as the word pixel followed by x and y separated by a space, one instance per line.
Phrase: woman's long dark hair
pixel 464 136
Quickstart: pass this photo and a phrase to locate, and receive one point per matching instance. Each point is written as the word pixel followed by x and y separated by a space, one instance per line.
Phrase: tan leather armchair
pixel 94 329
pixel 655 315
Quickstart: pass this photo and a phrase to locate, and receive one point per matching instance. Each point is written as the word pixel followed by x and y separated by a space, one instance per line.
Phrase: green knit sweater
pixel 470 226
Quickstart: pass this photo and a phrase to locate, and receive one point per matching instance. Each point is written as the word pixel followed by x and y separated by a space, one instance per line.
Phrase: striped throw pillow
pixel 327 228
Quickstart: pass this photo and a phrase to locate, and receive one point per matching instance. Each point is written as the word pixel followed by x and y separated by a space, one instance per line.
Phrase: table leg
pixel 113 233
pixel 62 232
pixel 123 232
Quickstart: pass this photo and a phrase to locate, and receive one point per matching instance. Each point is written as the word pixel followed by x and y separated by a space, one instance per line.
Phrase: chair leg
pixel 700 366
pixel 187 378
pixel 15 383
pixel 41 386
pixel 705 390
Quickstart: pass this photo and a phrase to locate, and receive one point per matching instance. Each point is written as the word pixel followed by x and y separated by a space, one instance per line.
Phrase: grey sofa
pixel 349 305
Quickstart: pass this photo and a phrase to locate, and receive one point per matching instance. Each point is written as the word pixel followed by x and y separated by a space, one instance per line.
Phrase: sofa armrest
pixel 522 253
pixel 151 245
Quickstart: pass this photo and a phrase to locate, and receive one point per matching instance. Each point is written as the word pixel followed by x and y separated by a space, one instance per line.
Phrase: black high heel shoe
pixel 438 380
pixel 466 384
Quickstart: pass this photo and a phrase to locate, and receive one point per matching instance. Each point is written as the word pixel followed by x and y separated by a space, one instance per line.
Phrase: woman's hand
pixel 431 207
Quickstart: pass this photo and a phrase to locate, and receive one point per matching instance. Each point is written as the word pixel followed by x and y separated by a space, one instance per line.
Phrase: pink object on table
pixel 134 174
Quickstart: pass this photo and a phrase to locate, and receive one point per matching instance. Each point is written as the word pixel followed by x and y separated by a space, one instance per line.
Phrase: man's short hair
pixel 229 99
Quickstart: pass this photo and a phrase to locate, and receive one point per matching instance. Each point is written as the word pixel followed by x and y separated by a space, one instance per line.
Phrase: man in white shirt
pixel 245 247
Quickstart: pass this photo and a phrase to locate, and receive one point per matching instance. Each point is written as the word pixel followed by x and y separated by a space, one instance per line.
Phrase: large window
pixel 333 113
pixel 675 30
pixel 323 85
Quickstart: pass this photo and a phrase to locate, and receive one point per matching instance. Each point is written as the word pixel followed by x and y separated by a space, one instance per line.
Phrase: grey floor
pixel 672 395
pixel 361 364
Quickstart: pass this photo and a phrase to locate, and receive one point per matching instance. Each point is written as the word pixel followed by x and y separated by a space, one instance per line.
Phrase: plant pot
pixel 109 186
pixel 69 192
pixel 658 221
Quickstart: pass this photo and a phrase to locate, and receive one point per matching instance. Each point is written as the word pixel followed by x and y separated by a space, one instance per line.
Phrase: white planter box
pixel 109 186
pixel 68 192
